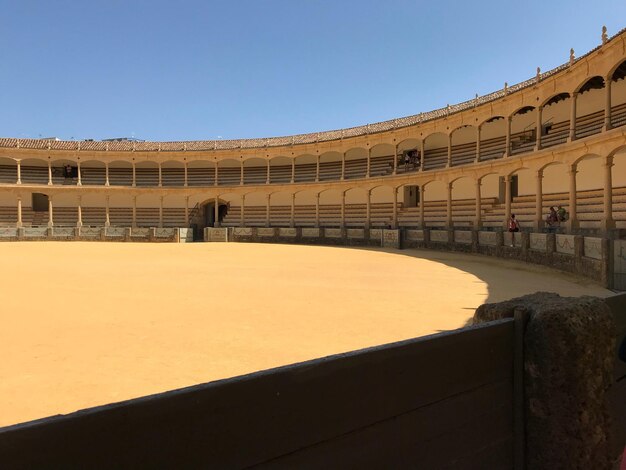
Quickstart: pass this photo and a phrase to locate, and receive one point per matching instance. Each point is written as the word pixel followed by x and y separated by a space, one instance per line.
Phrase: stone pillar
pixel 49 172
pixel 395 160
pixel 507 143
pixel 573 217
pixel 369 163
pixel 449 207
pixel 106 174
pixel 186 179
pixel 478 216
pixel 507 198
pixel 50 218
pixel 449 164
pixel 538 224
pixel 343 210
pixel 572 118
pixel 107 219
pixel 241 174
pixel 317 210
pixel 242 215
pixel 161 212
pixel 79 222
pixel 422 221
pixel 317 169
pixel 293 170
pixel 477 157
pixel 394 220
pixel 216 212
pixel 607 107
pixel 80 181
pixel 539 128
pixel 19 212
pixel 134 220
pixel 267 177
pixel 267 210
pixel 607 217
pixel 186 223
pixel 422 155
pixel 292 219
pixel 568 358
pixel 160 176
pixel 343 166
pixel 19 172
pixel 368 209
pixel 134 175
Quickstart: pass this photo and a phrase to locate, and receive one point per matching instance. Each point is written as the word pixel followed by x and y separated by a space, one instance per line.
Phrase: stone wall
pixel 116 234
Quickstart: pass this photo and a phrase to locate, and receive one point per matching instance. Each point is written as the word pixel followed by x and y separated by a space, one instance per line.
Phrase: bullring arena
pixel 320 219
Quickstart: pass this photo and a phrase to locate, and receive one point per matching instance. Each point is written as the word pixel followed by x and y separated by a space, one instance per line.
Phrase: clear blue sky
pixel 187 70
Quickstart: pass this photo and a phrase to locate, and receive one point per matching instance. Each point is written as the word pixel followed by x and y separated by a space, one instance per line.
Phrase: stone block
pixel 439 236
pixel 266 232
pixel 463 236
pixel 569 349
pixel 311 232
pixel 242 231
pixel 565 244
pixel 592 248
pixel 357 233
pixel 415 235
pixel 487 238
pixel 332 233
pixel 539 241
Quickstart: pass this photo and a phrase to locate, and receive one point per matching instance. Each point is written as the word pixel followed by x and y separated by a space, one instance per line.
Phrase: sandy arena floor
pixel 84 324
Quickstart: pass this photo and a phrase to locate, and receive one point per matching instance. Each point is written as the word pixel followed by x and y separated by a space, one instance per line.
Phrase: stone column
pixel 507 198
pixel 607 218
pixel 161 212
pixel 241 174
pixel 507 142
pixel 216 182
pixel 317 169
pixel 242 216
pixel 19 212
pixel 216 212
pixel 395 160
pixel 19 172
pixel 186 211
pixel 292 219
pixel 343 209
pixel 49 172
pixel 50 218
pixel 343 166
pixel 160 176
pixel 449 164
pixel 538 225
pixel 572 118
pixel 267 210
pixel 539 128
pixel 369 163
pixel 317 210
pixel 368 209
pixel 186 179
pixel 394 220
pixel 607 107
pixel 267 177
pixel 449 207
pixel 106 174
pixel 477 157
pixel 573 217
pixel 107 219
pixel 478 216
pixel 134 220
pixel 422 221
pixel 293 170
pixel 422 155
pixel 78 171
pixel 79 222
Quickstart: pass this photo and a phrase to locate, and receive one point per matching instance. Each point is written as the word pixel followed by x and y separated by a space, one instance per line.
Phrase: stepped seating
pixel 172 177
pixel 34 174
pixel 463 154
pixel 491 149
pixel 118 177
pixel 94 176
pixel 435 213
pixel 304 215
pixel 147 177
pixel 618 115
pixel 197 176
pixel 8 174
pixel 589 124
pixel 435 158
pixel 522 142
pixel 557 134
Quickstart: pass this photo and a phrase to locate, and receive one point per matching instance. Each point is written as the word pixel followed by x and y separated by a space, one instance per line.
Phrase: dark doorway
pixel 40 202
pixel 209 213
pixel 411 196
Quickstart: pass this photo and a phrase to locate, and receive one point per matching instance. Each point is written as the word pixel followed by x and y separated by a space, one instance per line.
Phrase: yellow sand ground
pixel 84 324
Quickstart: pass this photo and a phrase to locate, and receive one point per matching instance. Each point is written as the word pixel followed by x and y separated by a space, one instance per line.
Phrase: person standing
pixel 513 226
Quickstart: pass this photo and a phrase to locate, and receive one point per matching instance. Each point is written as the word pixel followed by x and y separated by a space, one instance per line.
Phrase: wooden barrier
pixel 444 400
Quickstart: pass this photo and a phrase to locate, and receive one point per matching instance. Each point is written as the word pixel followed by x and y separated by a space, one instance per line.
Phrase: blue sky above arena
pixel 193 70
